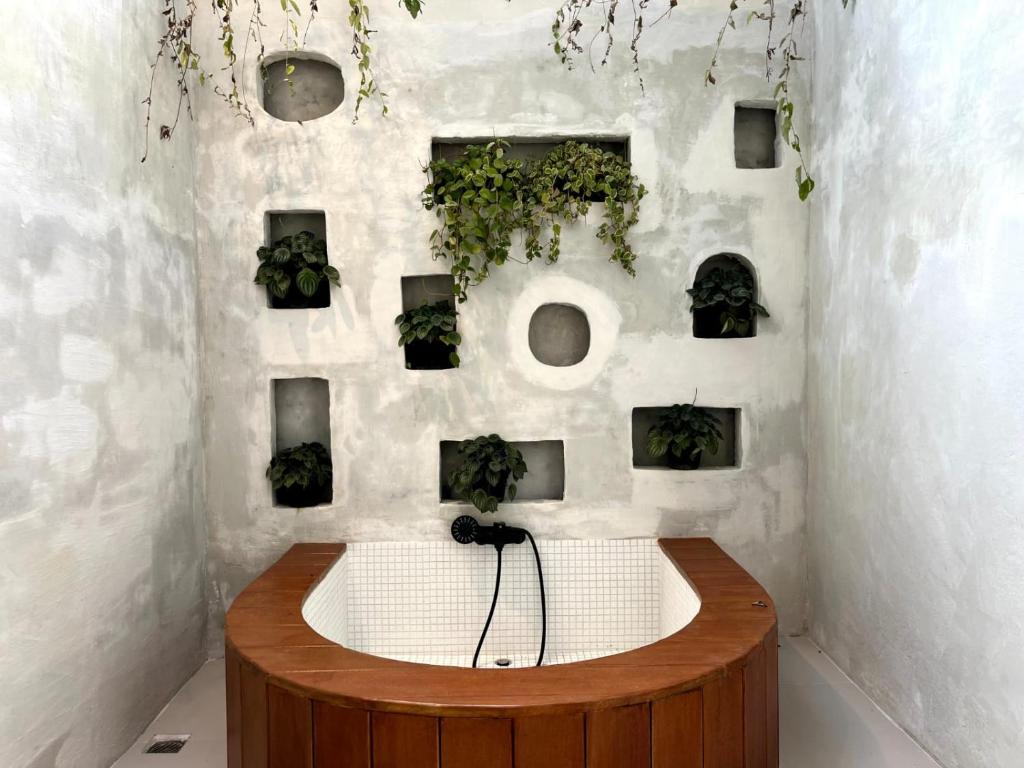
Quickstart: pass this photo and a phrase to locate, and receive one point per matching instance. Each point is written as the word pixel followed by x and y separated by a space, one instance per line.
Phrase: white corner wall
pixel 916 371
pixel 468 68
pixel 102 609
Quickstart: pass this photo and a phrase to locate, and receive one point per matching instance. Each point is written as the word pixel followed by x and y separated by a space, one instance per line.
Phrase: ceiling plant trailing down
pixel 483 197
pixel 487 464
pixel 431 324
pixel 683 434
pixel 302 476
pixel 294 269
pixel 572 18
pixel 724 301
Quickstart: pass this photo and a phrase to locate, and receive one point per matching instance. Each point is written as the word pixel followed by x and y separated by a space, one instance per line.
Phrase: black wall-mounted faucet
pixel 466 530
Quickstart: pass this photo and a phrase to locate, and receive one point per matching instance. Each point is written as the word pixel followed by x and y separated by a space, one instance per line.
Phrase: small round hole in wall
pixel 298 89
pixel 559 335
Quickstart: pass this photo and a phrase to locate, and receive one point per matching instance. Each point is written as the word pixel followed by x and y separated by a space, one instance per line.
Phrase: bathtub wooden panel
pixel 253 689
pixel 706 697
pixel 619 737
pixel 723 722
pixel 233 691
pixel 676 731
pixel 557 741
pixel 405 741
pixel 755 714
pixel 289 729
pixel 771 652
pixel 472 742
pixel 341 737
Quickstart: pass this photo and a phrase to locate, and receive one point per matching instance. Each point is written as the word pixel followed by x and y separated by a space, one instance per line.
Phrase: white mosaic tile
pixel 427 601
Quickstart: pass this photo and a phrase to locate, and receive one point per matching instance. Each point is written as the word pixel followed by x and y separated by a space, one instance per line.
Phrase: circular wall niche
pixel 559 335
pixel 313 89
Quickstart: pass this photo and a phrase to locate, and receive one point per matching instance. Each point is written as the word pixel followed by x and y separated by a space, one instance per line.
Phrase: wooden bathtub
pixel 704 697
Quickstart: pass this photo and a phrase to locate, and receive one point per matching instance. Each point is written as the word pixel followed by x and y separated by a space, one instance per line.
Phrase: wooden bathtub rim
pixel 727 631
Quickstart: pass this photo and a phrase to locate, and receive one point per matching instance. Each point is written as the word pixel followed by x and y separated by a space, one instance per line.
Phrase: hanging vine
pixel 567 31
pixel 223 72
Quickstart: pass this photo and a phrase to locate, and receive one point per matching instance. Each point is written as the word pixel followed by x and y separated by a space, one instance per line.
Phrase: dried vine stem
pixel 788 50
pixel 569 25
pixel 176 45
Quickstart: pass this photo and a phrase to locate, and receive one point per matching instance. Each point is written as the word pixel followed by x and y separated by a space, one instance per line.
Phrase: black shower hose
pixel 494 604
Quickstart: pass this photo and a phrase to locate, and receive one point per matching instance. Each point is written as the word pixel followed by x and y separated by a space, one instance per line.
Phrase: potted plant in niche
pixel 296 272
pixel 487 465
pixel 302 476
pixel 724 302
pixel 682 434
pixel 429 336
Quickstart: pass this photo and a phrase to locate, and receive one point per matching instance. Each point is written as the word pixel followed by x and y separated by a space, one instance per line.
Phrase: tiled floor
pixel 827 722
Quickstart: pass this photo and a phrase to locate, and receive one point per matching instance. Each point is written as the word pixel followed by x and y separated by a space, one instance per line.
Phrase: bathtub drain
pixel 503 662
pixel 166 744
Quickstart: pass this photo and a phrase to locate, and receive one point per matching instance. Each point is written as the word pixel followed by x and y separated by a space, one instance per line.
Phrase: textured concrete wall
pixel 469 68
pixel 102 608
pixel 917 368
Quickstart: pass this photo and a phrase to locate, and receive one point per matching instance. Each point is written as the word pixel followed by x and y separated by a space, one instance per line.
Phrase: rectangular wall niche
pixel 728 455
pixel 418 290
pixel 279 224
pixel 545 476
pixel 756 136
pixel 302 414
pixel 527 148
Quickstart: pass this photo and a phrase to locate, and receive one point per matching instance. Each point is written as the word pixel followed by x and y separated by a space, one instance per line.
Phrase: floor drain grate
pixel 166 745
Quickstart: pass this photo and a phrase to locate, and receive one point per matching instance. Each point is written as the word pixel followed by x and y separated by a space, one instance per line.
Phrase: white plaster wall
pixel 916 372
pixel 468 68
pixel 102 609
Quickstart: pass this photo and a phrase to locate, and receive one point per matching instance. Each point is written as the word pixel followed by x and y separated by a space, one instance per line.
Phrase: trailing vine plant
pixel 483 197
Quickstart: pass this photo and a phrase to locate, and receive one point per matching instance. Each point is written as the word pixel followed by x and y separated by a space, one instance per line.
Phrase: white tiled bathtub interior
pixel 427 601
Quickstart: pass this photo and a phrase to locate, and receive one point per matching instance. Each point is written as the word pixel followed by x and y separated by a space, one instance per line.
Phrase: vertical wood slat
pixel 619 737
pixel 289 729
pixel 473 742
pixel 404 741
pixel 552 741
pixel 233 692
pixel 723 722
pixel 677 738
pixel 755 712
pixel 771 649
pixel 253 689
pixel 341 737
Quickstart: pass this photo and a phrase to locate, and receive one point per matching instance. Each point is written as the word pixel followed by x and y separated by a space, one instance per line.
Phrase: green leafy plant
pixel 482 476
pixel 482 197
pixel 684 433
pixel 431 324
pixel 301 475
pixel 568 180
pixel 295 263
pixel 727 290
